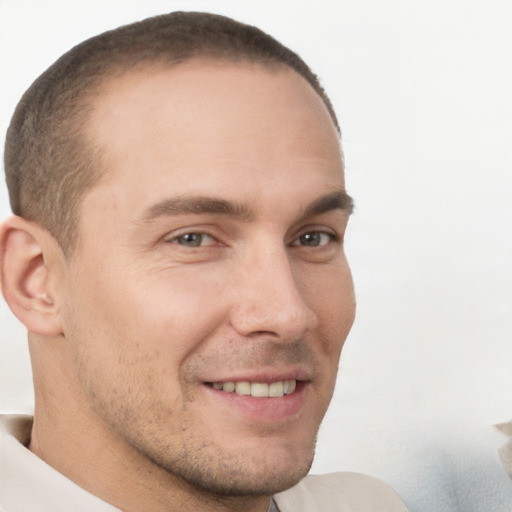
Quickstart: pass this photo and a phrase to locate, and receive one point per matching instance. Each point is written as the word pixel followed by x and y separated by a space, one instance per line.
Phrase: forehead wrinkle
pixel 198 205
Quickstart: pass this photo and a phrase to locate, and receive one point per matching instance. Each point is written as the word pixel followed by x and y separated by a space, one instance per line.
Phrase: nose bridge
pixel 270 300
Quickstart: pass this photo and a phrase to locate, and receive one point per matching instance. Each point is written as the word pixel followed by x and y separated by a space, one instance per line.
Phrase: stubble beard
pixel 210 471
pixel 196 463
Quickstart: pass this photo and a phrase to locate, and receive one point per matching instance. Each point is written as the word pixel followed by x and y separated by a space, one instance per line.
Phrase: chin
pixel 238 472
pixel 242 481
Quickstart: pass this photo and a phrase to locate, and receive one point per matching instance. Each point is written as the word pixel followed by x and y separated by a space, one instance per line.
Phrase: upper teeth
pixel 258 389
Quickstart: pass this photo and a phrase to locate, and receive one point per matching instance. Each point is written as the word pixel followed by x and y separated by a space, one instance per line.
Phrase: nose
pixel 269 299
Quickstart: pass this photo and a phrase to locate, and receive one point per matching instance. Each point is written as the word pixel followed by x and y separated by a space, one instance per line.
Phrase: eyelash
pixel 190 234
pixel 316 238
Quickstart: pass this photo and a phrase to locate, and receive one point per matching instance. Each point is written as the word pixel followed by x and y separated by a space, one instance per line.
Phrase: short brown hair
pixel 49 164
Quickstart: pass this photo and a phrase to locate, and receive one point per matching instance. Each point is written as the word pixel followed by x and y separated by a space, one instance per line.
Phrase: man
pixel 176 255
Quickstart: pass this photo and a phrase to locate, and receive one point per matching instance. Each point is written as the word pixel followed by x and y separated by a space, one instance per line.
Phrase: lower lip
pixel 263 409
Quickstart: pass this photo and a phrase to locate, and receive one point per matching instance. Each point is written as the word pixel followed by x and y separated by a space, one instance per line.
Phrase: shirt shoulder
pixel 340 492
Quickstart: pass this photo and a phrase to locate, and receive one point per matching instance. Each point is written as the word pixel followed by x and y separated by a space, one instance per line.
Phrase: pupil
pixel 311 239
pixel 191 239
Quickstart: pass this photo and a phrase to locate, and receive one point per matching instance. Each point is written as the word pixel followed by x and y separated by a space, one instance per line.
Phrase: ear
pixel 28 255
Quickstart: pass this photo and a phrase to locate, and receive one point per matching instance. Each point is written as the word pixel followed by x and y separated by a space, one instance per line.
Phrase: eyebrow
pixel 338 200
pixel 198 205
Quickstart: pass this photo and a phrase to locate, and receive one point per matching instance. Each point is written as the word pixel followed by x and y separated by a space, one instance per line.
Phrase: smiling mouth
pixel 257 389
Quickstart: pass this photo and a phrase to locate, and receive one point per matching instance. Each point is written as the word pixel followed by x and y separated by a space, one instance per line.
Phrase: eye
pixel 314 239
pixel 194 240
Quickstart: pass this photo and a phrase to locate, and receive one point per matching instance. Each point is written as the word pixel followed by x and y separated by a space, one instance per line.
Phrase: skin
pixel 210 251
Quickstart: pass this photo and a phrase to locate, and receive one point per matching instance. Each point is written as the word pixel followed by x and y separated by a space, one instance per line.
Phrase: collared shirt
pixel 28 483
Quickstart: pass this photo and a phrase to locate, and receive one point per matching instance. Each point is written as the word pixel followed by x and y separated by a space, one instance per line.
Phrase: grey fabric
pixel 272 507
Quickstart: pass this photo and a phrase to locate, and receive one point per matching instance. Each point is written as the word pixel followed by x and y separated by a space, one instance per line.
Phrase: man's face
pixel 210 257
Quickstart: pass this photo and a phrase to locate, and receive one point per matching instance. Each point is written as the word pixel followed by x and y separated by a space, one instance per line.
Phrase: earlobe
pixel 25 271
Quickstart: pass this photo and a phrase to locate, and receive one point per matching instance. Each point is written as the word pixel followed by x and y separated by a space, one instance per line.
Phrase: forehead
pixel 200 126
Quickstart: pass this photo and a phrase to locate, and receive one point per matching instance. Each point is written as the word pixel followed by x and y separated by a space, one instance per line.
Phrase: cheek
pixel 329 292
pixel 160 317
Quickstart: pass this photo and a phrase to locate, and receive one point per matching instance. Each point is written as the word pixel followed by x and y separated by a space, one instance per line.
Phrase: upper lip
pixel 268 375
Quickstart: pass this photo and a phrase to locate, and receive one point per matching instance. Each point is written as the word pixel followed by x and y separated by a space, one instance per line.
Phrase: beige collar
pixel 28 483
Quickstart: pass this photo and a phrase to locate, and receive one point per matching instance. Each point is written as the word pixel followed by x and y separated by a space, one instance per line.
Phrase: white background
pixel 423 90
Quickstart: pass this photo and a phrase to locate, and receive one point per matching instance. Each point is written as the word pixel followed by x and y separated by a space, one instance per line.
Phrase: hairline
pixel 61 102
